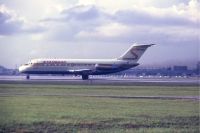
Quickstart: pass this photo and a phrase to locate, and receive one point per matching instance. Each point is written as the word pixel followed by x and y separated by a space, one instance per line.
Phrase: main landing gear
pixel 27 76
pixel 85 77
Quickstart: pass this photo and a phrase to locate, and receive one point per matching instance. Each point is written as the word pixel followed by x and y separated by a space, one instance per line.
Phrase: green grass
pixel 61 108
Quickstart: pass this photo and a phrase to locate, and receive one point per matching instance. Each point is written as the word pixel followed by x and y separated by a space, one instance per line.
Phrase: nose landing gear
pixel 27 76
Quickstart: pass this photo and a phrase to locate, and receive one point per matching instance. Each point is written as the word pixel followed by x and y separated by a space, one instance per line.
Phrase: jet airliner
pixel 85 67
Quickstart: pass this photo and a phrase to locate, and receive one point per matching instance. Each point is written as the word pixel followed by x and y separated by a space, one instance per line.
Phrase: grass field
pixel 62 108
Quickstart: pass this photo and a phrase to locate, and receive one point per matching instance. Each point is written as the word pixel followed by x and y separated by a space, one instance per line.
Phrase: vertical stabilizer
pixel 134 52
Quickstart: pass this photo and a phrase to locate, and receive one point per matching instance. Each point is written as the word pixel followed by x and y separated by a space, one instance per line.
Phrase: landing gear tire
pixel 27 76
pixel 85 77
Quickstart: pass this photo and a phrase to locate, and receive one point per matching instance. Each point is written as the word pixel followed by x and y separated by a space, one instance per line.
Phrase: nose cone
pixel 22 69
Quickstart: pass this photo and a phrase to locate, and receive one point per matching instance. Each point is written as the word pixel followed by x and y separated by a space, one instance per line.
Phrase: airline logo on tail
pixel 134 56
pixel 134 52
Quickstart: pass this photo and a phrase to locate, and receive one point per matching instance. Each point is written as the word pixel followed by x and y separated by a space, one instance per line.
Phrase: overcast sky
pixel 99 29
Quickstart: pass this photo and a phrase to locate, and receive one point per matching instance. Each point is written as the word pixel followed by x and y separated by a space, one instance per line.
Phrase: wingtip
pixel 152 44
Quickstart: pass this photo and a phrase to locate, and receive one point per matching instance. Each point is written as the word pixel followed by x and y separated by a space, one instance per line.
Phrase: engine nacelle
pixel 105 66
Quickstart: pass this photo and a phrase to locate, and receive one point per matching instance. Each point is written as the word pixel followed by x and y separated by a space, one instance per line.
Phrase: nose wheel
pixel 27 76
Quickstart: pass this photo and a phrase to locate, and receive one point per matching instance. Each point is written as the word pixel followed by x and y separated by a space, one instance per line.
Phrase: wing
pixel 82 71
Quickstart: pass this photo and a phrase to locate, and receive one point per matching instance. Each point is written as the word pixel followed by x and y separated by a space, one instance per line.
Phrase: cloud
pixel 11 23
pixel 138 17
pixel 71 22
pixel 108 5
pixel 81 13
pixel 93 23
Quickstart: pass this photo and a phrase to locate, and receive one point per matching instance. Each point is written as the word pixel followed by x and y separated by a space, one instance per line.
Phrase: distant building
pixel 162 71
pixel 180 68
pixel 6 71
pixel 1 69
pixel 198 68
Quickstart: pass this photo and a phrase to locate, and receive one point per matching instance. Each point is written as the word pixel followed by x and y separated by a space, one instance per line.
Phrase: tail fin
pixel 134 52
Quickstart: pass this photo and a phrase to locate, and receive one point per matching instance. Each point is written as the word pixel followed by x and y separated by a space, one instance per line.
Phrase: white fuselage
pixel 75 66
pixel 85 67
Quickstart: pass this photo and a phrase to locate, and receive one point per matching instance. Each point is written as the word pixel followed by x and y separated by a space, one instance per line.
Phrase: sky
pixel 100 29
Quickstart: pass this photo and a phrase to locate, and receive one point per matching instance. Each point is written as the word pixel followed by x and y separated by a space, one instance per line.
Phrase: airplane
pixel 85 67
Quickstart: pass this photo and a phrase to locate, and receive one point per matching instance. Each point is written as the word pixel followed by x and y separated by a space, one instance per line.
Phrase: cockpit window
pixel 29 63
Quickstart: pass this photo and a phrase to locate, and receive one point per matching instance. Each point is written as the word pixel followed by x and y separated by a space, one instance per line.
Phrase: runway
pixel 101 80
pixel 112 81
